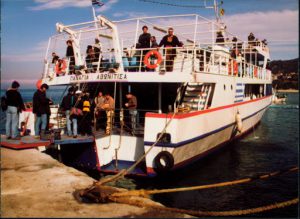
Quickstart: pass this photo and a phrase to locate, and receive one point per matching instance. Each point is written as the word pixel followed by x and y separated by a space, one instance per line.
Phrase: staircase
pixel 196 96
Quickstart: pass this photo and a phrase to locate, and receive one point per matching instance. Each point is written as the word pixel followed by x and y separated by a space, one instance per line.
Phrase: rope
pixel 209 213
pixel 145 193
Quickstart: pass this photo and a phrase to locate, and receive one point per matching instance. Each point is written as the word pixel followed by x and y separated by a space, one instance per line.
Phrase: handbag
pixel 75 111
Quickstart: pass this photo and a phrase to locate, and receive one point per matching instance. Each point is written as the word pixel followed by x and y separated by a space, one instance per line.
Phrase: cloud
pixel 272 25
pixel 128 14
pixel 35 55
pixel 58 4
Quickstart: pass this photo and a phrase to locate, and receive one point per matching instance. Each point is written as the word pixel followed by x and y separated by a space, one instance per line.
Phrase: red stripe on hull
pixel 186 115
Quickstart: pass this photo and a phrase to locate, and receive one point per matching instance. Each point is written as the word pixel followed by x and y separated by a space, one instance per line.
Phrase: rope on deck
pixel 145 193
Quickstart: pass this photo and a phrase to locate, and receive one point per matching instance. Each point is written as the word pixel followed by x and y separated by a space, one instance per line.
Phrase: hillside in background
pixel 285 73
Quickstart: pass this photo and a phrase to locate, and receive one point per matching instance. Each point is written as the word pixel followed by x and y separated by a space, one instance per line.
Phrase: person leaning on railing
pixel 70 56
pixel 168 41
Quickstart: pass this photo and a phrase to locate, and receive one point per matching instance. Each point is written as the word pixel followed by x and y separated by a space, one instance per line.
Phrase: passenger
pixel 234 51
pixel 109 107
pixel 40 109
pixel 168 41
pixel 67 104
pixel 132 105
pixel 60 68
pixel 86 122
pixel 220 38
pixel 71 57
pixel 98 112
pixel 154 44
pixel 264 42
pixel 55 58
pixel 144 41
pixel 15 105
pixel 251 39
pixel 90 58
pixel 76 114
pixel 97 49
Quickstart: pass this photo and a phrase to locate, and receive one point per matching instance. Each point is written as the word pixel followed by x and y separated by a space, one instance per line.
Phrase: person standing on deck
pixel 99 100
pixel 15 105
pixel 97 49
pixel 40 105
pixel 109 106
pixel 167 41
pixel 67 104
pixel 132 105
pixel 144 42
pixel 70 56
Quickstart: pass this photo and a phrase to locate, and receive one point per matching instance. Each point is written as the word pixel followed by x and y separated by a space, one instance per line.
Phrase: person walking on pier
pixel 67 104
pixel 109 106
pixel 132 105
pixel 15 105
pixel 40 105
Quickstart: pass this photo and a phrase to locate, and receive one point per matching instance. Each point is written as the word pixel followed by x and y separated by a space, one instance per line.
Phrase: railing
pixel 215 59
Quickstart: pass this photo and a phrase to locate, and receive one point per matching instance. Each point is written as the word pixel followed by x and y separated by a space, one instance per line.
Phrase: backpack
pixel 3 103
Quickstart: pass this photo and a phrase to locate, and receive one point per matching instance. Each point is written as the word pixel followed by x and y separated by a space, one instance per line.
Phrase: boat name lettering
pixel 104 76
pixel 79 77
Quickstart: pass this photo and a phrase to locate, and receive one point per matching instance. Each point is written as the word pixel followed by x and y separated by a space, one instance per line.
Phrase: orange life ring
pixel 38 84
pixel 60 69
pixel 158 57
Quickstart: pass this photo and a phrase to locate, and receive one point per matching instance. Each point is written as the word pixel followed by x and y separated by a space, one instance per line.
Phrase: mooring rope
pixel 145 193
pixel 138 203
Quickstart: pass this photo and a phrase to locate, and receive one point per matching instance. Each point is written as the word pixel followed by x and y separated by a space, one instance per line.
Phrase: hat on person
pixel 78 92
pixel 45 86
pixel 15 84
pixel 71 89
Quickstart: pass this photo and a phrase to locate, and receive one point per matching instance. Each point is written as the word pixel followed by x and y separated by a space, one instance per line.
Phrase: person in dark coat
pixel 67 104
pixel 70 56
pixel 40 105
pixel 170 40
pixel 144 43
pixel 15 105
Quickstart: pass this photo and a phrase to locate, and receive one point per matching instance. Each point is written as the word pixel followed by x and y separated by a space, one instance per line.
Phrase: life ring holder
pixel 158 57
pixel 168 160
pixel 61 70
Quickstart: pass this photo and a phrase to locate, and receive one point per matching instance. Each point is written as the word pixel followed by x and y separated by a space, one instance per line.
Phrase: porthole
pixel 224 87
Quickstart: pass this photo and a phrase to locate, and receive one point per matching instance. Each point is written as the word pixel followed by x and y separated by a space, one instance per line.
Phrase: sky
pixel 26 26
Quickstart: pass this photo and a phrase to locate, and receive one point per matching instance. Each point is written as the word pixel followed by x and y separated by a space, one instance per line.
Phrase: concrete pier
pixel 34 184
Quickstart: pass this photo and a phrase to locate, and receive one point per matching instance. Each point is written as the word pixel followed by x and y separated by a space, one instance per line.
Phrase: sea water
pixel 273 145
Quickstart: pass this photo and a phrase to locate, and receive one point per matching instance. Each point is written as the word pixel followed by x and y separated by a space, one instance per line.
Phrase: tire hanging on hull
pixel 164 162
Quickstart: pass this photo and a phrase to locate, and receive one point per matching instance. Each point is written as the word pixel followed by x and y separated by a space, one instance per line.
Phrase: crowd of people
pixel 79 108
pixel 93 57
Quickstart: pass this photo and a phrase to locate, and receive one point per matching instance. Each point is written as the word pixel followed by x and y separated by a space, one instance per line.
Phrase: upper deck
pixel 121 61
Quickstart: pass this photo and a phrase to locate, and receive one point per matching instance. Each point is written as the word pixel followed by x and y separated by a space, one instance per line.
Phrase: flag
pixel 222 11
pixel 97 2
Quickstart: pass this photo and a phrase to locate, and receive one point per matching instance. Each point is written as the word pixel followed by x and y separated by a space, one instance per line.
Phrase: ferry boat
pixel 215 92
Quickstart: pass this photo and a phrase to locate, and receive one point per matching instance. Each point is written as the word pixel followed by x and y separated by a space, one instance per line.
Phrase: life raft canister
pixel 60 67
pixel 157 56
pixel 164 162
pixel 235 67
